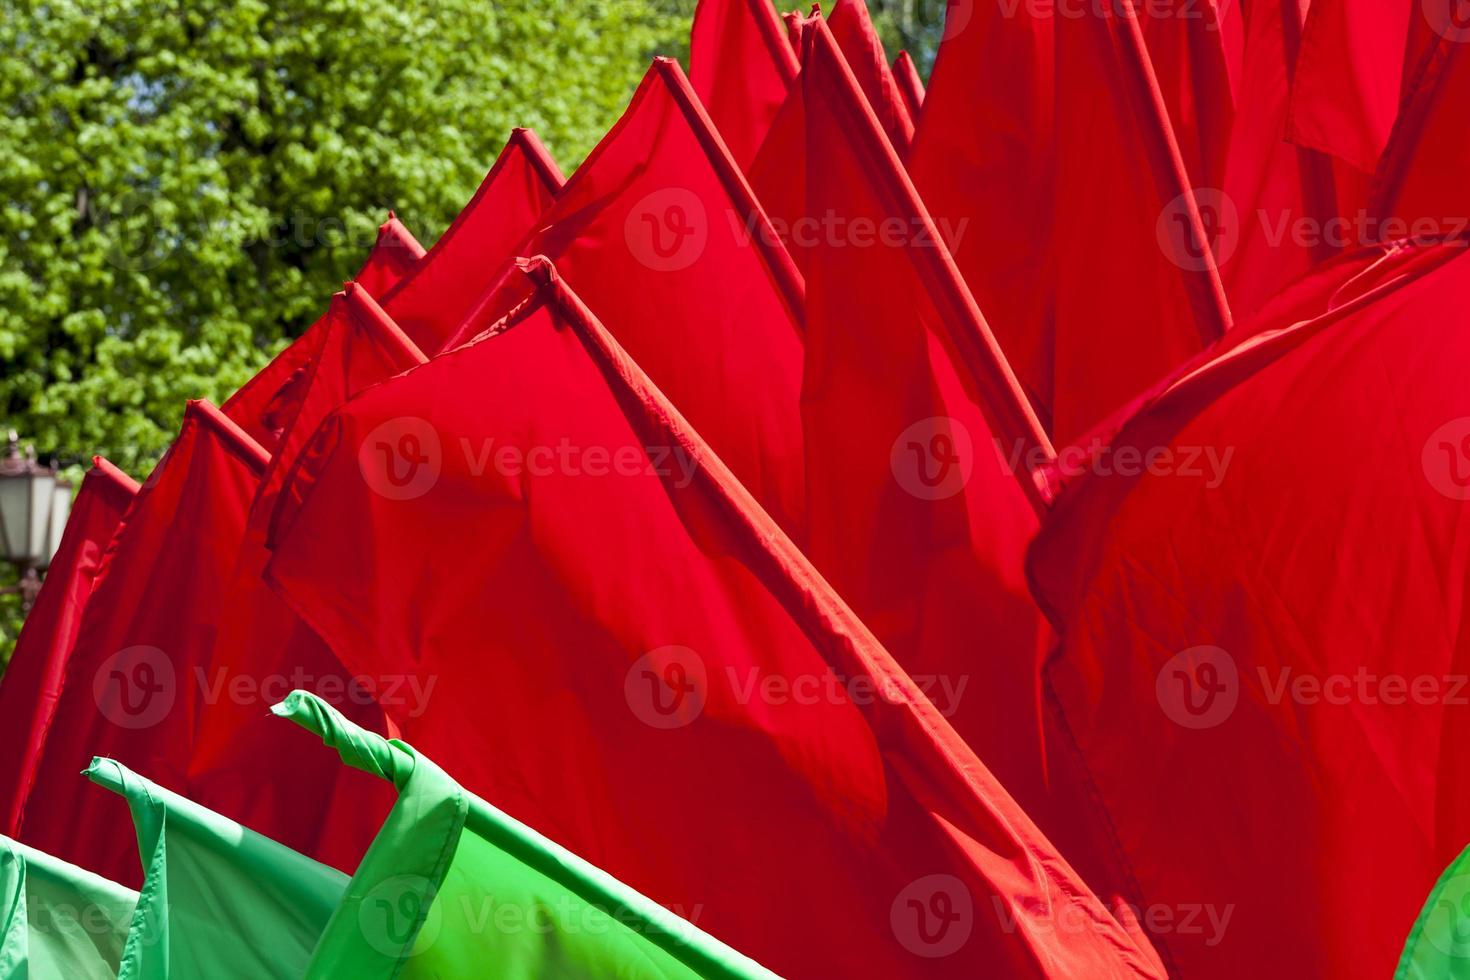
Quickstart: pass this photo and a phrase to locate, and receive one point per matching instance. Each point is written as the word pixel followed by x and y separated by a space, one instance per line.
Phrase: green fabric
pixel 60 922
pixel 218 900
pixel 1439 944
pixel 453 887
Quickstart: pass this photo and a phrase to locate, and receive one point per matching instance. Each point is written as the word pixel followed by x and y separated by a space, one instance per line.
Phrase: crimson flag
pixel 1260 672
pixel 910 84
pixel 741 65
pixel 33 678
pixel 250 407
pixel 628 648
pixel 130 688
pixel 1128 313
pixel 659 230
pixel 853 28
pixel 433 300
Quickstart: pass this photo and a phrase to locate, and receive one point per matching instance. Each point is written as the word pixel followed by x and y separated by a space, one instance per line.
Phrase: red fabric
pixel 130 691
pixel 909 83
pixel 853 28
pixel 897 447
pixel 551 598
pixel 659 230
pixel 1349 74
pixel 321 809
pixel 1194 604
pixel 740 65
pixel 33 678
pixel 1186 42
pixel 1279 198
pixel 396 254
pixel 250 407
pixel 1125 314
pixel 432 301
pixel 983 159
pixel 1419 188
pixel 778 174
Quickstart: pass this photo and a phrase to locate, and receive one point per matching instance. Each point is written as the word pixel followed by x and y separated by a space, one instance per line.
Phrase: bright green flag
pixel 1439 944
pixel 60 922
pixel 452 887
pixel 218 901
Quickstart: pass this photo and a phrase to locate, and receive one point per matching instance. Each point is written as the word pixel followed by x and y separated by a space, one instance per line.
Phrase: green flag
pixel 218 900
pixel 1439 944
pixel 452 887
pixel 60 922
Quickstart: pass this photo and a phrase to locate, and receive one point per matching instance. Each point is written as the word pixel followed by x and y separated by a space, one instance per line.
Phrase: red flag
pixel 659 229
pixel 740 65
pixel 394 256
pixel 621 635
pixel 909 83
pixel 853 28
pixel 1186 46
pixel 1129 312
pixel 320 810
pixel 130 689
pixel 34 675
pixel 1276 217
pixel 1419 188
pixel 914 517
pixel 982 161
pixel 1349 75
pixel 1260 672
pixel 432 301
pixel 250 407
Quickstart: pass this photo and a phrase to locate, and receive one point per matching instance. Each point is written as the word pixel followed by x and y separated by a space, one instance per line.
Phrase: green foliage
pixel 185 182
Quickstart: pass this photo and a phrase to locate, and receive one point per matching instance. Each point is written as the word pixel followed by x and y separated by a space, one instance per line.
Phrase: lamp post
pixel 34 506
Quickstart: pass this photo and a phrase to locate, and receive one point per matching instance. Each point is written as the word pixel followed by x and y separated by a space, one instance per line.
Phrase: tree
pixel 184 184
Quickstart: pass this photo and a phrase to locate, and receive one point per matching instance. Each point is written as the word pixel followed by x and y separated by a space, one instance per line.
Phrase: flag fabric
pixel 852 26
pixel 899 444
pixel 33 678
pixel 1281 653
pixel 558 534
pixel 131 686
pixel 661 233
pixel 741 65
pixel 1186 44
pixel 218 900
pixel 1126 314
pixel 58 921
pixel 249 408
pixel 910 84
pixel 430 302
pixel 1275 217
pixel 983 162
pixel 1349 75
pixel 1436 946
pixel 263 646
pixel 394 256
pixel 446 861
pixel 1417 189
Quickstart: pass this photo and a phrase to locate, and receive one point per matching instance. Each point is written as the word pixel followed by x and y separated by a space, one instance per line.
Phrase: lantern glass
pixel 56 522
pixel 15 515
pixel 43 490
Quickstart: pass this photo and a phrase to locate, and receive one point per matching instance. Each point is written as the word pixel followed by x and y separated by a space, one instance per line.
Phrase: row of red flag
pixel 921 530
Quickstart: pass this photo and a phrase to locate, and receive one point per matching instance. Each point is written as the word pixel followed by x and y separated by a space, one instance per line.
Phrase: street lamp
pixel 34 505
